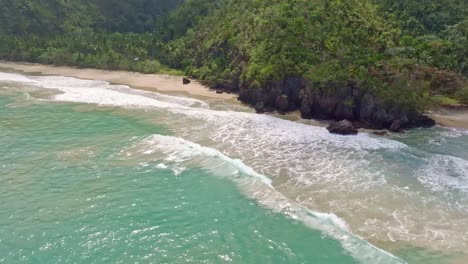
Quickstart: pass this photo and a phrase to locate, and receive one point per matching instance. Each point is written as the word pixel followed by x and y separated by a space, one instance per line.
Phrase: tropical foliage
pixel 405 51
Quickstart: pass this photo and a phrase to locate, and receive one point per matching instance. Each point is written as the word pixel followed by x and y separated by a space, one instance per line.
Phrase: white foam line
pixel 454 132
pixel 11 77
pixel 180 150
pixel 102 93
pixel 187 150
pixel 185 101
pixel 232 127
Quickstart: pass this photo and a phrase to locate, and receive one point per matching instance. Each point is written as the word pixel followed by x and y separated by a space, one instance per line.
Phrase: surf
pixel 301 170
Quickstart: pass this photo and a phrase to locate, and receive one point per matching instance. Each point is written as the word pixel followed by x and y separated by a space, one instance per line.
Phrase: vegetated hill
pixel 106 34
pixel 50 17
pixel 425 17
pixel 331 59
pixel 45 17
pixel 379 62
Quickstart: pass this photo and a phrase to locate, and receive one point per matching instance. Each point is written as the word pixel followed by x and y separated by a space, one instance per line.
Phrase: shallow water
pixel 110 174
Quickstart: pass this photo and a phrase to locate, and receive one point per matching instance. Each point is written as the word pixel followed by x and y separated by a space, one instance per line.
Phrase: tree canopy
pixel 253 44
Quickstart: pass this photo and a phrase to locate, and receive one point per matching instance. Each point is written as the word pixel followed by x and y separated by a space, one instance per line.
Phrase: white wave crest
pixel 101 92
pixel 180 152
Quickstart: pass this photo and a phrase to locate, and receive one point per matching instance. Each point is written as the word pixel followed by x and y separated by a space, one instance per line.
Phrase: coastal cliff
pixel 361 107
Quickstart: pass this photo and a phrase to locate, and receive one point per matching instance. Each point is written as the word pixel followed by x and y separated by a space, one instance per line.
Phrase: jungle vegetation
pixel 406 51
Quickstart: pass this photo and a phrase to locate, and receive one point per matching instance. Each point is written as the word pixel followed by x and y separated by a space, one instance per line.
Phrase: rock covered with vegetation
pixel 377 62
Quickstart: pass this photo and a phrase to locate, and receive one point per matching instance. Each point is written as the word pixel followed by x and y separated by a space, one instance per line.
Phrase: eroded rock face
pixel 281 103
pixel 343 127
pixel 260 108
pixel 367 107
pixel 425 121
pixel 335 103
pixel 395 126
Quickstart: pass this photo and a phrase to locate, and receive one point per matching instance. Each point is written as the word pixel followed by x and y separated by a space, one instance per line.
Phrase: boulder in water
pixel 343 127
pixel 185 81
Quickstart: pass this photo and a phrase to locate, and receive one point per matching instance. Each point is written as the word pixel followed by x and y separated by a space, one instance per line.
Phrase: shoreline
pixel 450 117
pixel 169 84
pixel 150 82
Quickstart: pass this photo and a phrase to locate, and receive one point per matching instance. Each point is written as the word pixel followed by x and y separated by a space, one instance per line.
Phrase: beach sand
pixel 173 85
pixel 450 117
pixel 151 82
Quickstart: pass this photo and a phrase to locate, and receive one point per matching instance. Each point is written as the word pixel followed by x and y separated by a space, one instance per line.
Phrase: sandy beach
pixel 151 82
pixel 450 117
pixel 173 85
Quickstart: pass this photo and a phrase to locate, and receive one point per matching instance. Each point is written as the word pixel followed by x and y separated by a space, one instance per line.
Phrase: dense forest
pixel 374 61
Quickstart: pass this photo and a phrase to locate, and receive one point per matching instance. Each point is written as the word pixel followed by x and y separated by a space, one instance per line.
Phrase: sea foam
pixel 180 152
pixel 346 175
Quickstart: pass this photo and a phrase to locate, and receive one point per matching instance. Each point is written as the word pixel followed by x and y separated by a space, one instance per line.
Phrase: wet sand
pixel 151 82
pixel 457 118
pixel 173 84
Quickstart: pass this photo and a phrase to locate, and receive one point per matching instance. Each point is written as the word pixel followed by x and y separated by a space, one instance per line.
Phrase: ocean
pixel 92 172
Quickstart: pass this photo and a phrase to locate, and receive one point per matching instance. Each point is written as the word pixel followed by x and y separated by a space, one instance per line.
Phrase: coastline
pixel 150 82
pixel 456 118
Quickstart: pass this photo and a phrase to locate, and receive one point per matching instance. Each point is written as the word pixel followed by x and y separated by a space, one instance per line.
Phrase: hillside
pixel 52 17
pixel 375 62
pixel 330 59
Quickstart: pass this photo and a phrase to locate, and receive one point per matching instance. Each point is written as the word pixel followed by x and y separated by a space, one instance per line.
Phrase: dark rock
pixel 393 114
pixel 357 124
pixel 325 106
pixel 219 92
pixel 426 122
pixel 343 127
pixel 260 108
pixel 306 109
pixel 395 126
pixel 380 133
pixel 292 87
pixel 185 81
pixel 379 118
pixel 251 96
pixel 344 110
pixel 281 103
pixel 337 102
pixel 367 108
pixel 404 119
pixel 269 109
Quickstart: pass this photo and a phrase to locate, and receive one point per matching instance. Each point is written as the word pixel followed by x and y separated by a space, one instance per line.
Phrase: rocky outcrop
pixel 343 127
pixel 424 121
pixel 362 108
pixel 260 108
pixel 281 103
pixel 395 126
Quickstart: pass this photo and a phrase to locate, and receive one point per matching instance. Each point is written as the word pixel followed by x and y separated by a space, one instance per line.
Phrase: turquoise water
pixel 66 197
pixel 98 173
